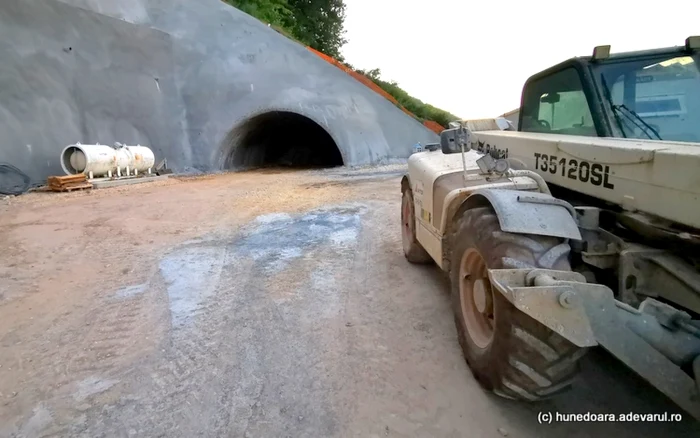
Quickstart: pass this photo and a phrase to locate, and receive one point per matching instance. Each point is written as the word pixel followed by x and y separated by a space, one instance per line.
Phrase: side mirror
pixel 550 98
pixel 451 140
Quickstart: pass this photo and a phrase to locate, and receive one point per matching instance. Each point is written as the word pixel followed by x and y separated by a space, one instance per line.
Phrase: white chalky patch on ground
pixel 91 386
pixel 191 275
pixel 273 217
pixel 130 291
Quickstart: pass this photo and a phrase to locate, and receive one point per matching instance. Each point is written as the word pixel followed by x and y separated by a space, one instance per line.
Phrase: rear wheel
pixel 413 250
pixel 508 352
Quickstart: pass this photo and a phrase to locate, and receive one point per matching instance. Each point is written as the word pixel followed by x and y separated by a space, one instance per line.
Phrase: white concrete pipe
pixel 98 160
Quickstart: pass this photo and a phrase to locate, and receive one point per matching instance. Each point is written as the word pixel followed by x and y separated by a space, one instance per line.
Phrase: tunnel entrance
pixel 280 139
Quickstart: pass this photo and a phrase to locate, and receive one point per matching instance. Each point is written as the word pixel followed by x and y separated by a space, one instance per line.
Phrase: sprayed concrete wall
pixel 176 75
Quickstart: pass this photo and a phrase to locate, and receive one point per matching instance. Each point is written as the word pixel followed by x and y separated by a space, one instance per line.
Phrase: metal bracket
pixel 589 315
pixel 544 302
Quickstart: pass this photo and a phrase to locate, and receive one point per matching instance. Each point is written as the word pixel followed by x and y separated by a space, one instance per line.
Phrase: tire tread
pixel 536 363
pixel 416 253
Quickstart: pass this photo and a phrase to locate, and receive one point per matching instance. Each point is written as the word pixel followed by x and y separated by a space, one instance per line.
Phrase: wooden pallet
pixel 70 188
pixel 66 179
pixel 68 183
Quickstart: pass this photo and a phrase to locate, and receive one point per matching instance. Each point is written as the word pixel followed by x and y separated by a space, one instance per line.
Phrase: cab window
pixel 655 99
pixel 557 104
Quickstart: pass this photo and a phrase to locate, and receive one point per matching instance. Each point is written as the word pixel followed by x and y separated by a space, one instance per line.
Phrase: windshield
pixel 657 99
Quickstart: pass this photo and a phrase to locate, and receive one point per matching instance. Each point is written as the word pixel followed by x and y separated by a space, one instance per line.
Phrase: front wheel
pixel 414 252
pixel 508 352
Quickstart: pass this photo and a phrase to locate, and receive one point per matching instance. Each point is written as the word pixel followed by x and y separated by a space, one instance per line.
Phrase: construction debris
pixel 12 180
pixel 162 168
pixel 68 183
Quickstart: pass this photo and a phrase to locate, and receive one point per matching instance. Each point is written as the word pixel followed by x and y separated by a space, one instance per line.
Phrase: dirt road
pixel 258 304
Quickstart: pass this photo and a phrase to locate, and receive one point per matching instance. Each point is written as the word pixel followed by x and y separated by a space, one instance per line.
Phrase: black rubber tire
pixel 524 360
pixel 414 251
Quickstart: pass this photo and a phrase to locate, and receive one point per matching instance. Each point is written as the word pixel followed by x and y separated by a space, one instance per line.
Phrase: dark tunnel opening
pixel 279 139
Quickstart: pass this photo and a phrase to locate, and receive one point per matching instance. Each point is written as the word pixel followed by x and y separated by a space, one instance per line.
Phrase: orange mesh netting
pixel 433 126
pixel 430 124
pixel 360 77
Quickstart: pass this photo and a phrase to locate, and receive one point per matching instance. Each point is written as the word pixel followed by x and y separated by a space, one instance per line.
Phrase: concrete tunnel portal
pixel 201 112
pixel 279 139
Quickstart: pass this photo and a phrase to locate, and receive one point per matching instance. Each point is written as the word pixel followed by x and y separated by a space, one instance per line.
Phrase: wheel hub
pixel 476 297
pixel 480 295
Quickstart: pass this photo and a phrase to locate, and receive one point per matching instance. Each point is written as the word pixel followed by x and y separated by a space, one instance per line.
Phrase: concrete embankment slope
pixel 193 79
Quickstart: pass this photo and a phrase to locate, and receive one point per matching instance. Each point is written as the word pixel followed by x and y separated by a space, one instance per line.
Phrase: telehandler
pixel 580 228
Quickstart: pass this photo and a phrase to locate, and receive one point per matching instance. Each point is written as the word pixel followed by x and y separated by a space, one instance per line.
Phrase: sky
pixel 472 58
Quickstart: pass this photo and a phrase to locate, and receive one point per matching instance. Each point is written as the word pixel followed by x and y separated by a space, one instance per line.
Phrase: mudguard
pixel 530 212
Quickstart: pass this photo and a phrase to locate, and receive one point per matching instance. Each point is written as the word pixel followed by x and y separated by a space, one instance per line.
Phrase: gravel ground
pixel 255 304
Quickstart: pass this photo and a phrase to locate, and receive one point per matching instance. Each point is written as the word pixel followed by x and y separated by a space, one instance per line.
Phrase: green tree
pixel 422 110
pixel 375 74
pixel 275 12
pixel 319 23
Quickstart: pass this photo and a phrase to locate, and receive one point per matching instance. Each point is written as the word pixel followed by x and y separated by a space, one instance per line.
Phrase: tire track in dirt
pixel 88 359
pixel 239 354
pixel 77 356
pixel 88 337
pixel 113 332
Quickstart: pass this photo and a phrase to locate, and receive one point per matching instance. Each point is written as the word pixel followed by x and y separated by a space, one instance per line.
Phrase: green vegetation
pixel 315 23
pixel 319 24
pixel 422 110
